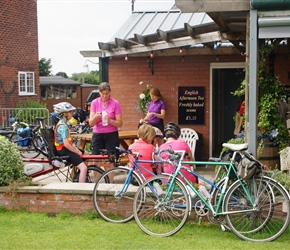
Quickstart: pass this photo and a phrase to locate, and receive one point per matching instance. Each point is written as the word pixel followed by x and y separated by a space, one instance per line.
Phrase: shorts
pixel 74 158
pixel 107 141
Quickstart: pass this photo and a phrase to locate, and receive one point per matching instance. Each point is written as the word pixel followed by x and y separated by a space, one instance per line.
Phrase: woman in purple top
pixel 105 136
pixel 156 110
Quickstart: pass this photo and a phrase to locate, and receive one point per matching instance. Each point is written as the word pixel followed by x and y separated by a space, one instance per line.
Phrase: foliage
pixel 44 67
pixel 90 78
pixel 283 178
pixel 271 127
pixel 144 100
pixel 11 164
pixel 29 115
pixel 62 74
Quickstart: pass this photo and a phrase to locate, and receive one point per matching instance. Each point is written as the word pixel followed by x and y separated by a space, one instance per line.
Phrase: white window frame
pixel 26 83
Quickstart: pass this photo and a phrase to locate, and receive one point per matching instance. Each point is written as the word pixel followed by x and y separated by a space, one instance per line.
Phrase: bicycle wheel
pixel 113 194
pixel 163 212
pixel 267 219
pixel 30 150
pixel 93 174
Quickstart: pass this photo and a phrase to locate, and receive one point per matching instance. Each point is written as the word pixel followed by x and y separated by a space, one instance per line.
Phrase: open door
pixel 224 105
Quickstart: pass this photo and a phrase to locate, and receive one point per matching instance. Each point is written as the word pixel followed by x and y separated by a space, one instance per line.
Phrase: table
pixel 126 138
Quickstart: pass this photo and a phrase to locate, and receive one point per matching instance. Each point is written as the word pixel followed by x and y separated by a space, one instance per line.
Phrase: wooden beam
pixel 192 6
pixel 163 35
pixel 190 31
pixel 106 46
pixel 234 36
pixel 121 43
pixel 141 39
pixel 163 45
pixel 217 18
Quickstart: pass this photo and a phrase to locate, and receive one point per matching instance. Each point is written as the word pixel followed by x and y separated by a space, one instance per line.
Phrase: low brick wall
pixel 52 198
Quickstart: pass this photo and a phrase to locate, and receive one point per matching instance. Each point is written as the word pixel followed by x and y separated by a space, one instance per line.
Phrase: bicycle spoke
pixel 113 197
pixel 267 219
pixel 161 215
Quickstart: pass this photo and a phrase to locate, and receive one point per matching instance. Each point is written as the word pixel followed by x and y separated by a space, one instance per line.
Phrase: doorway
pixel 225 80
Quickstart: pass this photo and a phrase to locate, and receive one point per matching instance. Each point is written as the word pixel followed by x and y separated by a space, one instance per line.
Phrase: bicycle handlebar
pixel 135 154
pixel 172 156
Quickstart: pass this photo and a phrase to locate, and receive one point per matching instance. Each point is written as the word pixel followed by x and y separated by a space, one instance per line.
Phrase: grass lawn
pixel 23 230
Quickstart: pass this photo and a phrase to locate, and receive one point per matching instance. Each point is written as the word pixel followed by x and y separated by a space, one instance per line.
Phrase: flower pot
pixel 270 156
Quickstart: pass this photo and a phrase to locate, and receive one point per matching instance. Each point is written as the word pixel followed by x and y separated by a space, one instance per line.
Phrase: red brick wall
pixel 18 48
pixel 51 203
pixel 169 73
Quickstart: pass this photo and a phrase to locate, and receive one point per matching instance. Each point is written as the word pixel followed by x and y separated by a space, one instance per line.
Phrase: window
pixel 26 83
pixel 58 92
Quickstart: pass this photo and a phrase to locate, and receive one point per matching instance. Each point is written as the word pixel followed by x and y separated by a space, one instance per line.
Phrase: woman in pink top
pixel 105 136
pixel 172 133
pixel 143 145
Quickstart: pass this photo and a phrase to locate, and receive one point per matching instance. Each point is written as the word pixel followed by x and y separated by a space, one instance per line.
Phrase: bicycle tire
pixel 271 217
pixel 159 214
pixel 93 174
pixel 109 205
pixel 29 151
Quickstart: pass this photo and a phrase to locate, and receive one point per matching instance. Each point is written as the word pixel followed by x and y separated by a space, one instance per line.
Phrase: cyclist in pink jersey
pixel 172 133
pixel 105 136
pixel 144 146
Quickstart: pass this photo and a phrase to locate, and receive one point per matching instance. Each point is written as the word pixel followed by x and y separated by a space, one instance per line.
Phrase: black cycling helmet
pixel 172 130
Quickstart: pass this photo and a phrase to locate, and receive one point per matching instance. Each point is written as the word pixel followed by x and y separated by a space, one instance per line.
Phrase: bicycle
pixel 58 165
pixel 256 209
pixel 114 191
pixel 27 137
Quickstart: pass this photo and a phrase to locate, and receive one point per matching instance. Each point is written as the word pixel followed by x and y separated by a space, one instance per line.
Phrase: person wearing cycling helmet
pixel 63 140
pixel 172 132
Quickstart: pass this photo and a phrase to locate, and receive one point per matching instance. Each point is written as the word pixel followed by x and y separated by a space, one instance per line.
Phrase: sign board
pixel 191 105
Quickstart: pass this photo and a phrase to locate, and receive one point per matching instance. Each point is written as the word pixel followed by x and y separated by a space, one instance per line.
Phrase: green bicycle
pixel 255 209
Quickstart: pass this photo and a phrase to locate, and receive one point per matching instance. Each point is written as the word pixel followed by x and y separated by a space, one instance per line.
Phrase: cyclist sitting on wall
pixel 63 140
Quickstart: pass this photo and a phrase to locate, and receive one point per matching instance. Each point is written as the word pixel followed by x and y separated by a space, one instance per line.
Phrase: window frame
pixel 26 85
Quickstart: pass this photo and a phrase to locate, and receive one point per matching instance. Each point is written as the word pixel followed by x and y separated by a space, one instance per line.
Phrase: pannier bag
pixel 23 133
pixel 248 168
pixel 79 114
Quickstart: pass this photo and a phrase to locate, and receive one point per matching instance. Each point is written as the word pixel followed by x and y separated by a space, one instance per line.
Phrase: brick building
pixel 19 76
pixel 175 50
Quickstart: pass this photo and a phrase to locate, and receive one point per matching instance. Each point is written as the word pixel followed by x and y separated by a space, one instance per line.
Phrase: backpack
pixel 79 114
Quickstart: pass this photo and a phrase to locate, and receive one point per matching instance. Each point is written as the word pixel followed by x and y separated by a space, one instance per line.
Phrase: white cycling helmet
pixel 63 107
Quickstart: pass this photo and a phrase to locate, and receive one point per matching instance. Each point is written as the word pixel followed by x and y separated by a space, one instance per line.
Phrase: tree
pixel 91 78
pixel 45 67
pixel 62 74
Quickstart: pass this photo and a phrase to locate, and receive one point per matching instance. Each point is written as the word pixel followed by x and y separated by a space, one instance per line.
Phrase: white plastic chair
pixel 190 136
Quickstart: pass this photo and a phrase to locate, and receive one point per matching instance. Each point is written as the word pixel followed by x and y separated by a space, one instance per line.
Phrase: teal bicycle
pixel 255 208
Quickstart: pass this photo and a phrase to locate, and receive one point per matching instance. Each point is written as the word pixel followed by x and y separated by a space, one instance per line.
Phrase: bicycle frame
pixel 64 171
pixel 135 167
pixel 207 203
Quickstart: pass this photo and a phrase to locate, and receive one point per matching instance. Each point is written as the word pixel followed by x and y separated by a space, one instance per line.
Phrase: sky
pixel 66 27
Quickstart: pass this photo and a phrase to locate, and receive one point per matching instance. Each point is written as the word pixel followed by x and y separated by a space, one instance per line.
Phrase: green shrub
pixel 28 116
pixel 11 164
